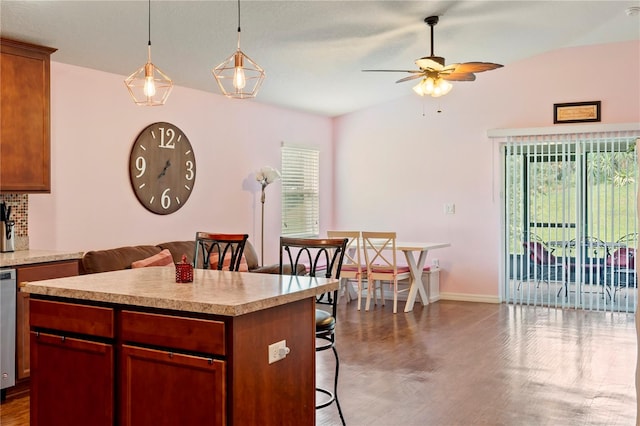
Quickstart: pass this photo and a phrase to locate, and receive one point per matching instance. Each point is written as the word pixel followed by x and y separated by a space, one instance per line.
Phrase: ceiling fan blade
pixel 432 63
pixel 451 67
pixel 459 76
pixel 411 77
pixel 411 71
pixel 476 67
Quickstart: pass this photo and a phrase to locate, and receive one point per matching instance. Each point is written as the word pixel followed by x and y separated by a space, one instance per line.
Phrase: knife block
pixel 7 240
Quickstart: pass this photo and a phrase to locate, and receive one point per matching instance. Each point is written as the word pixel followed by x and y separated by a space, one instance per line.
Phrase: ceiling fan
pixel 435 76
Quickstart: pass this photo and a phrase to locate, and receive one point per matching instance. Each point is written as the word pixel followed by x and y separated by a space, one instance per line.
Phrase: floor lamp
pixel 265 176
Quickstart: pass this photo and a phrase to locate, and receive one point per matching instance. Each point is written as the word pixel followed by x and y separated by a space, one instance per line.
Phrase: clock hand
pixel 164 171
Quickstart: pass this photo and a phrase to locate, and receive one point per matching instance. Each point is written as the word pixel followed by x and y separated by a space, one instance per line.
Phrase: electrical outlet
pixel 450 208
pixel 278 351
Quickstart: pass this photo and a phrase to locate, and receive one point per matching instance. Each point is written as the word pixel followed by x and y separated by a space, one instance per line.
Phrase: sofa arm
pixel 267 269
pixel 275 269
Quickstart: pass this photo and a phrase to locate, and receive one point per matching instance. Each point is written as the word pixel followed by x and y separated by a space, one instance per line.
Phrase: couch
pixel 122 257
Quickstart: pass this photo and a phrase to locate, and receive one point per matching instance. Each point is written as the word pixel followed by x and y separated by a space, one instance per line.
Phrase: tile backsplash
pixel 20 215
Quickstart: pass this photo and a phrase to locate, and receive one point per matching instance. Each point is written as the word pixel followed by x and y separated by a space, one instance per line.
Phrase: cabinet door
pixel 34 273
pixel 159 387
pixel 71 381
pixel 25 117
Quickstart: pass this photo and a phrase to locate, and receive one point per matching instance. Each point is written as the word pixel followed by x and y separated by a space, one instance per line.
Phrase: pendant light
pixel 238 76
pixel 148 85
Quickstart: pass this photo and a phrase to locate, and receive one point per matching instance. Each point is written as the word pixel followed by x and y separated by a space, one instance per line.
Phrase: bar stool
pixel 322 258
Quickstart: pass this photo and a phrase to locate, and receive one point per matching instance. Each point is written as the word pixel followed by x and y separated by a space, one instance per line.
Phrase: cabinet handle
pixel 170 354
pixel 62 338
pixel 210 361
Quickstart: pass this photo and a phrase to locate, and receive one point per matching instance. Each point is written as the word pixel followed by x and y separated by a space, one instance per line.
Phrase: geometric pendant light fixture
pixel 148 85
pixel 238 76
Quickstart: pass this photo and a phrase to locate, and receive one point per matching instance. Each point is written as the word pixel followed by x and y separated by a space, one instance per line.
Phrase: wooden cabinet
pixel 91 402
pixel 190 389
pixel 185 358
pixel 171 367
pixel 35 272
pixel 72 357
pixel 24 117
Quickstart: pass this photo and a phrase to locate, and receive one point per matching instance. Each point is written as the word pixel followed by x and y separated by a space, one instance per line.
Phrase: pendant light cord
pixel 238 24
pixel 149 22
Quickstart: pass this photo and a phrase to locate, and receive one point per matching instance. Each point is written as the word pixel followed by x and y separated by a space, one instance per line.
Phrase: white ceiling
pixel 312 51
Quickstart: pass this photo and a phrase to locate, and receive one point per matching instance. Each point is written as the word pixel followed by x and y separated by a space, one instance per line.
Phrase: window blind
pixel 300 191
pixel 570 222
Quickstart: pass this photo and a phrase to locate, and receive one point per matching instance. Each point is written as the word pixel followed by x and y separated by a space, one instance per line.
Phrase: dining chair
pixel 352 267
pixel 380 257
pixel 322 258
pixel 220 251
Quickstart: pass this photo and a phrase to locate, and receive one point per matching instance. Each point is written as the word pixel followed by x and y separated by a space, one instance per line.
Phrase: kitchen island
pixel 135 348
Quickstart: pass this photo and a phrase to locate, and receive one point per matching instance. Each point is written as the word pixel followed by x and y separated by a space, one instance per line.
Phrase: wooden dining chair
pixel 322 258
pixel 220 251
pixel 380 256
pixel 353 269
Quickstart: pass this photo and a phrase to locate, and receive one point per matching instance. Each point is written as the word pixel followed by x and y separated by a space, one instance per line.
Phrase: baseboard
pixel 465 297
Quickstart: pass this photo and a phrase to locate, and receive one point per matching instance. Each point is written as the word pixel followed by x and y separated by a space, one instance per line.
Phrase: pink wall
pixel 93 125
pixel 394 166
pixel 397 164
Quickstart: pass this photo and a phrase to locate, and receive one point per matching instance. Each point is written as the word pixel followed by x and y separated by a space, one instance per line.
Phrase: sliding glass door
pixel 570 221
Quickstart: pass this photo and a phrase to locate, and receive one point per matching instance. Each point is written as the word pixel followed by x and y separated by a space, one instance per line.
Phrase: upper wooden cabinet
pixel 24 117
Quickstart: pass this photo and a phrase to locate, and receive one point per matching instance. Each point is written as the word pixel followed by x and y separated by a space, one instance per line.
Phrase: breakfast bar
pixel 134 347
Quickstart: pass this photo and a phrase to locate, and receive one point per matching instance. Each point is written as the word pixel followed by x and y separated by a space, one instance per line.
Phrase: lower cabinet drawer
pixel 179 333
pixel 83 319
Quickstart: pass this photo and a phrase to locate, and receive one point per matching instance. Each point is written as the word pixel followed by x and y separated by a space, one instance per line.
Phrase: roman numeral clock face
pixel 162 168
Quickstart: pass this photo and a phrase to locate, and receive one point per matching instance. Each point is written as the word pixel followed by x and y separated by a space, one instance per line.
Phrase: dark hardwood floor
pixel 457 363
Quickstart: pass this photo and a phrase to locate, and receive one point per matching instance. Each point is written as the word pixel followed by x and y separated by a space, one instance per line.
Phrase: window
pixel 300 195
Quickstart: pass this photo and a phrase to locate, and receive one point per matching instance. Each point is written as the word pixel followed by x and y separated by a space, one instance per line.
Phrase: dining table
pixel 416 255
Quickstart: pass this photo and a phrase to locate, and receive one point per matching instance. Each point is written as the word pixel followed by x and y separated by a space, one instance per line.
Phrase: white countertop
pixel 212 292
pixel 27 257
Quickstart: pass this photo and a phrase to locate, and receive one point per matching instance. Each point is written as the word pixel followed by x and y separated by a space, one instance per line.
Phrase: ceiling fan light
pixel 419 88
pixel 443 86
pixel 429 85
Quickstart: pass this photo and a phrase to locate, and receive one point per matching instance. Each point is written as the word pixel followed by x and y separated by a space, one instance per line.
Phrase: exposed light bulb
pixel 149 89
pixel 239 80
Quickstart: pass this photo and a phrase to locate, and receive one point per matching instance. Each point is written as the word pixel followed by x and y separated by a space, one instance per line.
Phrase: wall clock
pixel 162 168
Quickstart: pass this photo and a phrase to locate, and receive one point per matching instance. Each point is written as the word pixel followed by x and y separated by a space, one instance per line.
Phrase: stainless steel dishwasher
pixel 7 329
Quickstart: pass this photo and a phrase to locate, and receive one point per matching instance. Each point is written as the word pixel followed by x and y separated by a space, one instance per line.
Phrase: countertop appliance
pixel 7 329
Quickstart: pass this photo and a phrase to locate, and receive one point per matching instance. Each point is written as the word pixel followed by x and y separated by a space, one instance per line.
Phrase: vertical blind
pixel 300 191
pixel 570 222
